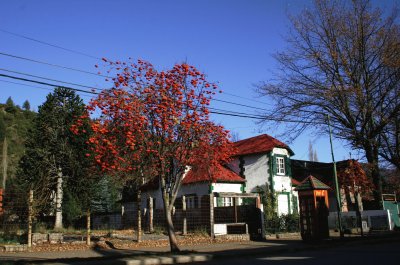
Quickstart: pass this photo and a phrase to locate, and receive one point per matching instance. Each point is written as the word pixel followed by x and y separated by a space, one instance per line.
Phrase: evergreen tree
pixel 26 105
pixel 55 159
pixel 10 106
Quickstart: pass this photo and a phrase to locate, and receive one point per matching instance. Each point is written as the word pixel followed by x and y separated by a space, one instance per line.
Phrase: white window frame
pixel 227 201
pixel 190 202
pixel 280 166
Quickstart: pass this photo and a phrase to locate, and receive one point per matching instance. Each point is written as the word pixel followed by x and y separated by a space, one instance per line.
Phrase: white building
pixel 264 161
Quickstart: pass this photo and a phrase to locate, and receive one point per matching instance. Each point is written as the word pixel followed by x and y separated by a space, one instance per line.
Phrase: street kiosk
pixel 314 209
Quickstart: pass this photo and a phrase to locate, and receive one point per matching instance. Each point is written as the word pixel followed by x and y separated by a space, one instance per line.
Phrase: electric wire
pixel 100 75
pixel 44 88
pixel 47 84
pixel 49 79
pixel 49 44
pixel 52 64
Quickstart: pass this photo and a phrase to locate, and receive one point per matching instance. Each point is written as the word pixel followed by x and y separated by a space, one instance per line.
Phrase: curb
pixel 231 254
pixel 164 258
pixel 137 260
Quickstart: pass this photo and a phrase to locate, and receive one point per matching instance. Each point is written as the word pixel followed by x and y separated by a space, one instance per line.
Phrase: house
pixel 216 204
pixel 264 162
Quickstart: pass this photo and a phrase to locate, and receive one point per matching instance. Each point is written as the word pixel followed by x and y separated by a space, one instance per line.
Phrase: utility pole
pixel 338 198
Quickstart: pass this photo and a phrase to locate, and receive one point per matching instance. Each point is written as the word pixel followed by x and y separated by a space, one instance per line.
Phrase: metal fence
pixel 23 221
pixel 14 215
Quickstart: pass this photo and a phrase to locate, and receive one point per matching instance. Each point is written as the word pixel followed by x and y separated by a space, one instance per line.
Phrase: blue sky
pixel 231 41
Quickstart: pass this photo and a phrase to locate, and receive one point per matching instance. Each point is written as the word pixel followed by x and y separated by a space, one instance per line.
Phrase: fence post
pixel 151 226
pixel 212 215
pixel 184 230
pixel 1 201
pixel 30 217
pixel 139 216
pixel 88 232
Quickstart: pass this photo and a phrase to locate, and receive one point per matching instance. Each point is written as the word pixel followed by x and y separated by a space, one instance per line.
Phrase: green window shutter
pixel 219 202
pixel 288 166
pixel 273 164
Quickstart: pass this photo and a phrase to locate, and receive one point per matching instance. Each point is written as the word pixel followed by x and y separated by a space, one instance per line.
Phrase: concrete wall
pixel 256 171
pixel 227 187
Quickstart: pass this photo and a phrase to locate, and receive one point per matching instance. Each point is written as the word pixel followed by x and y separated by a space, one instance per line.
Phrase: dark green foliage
pixel 272 222
pixel 14 126
pixel 26 105
pixel 51 147
pixel 72 208
pixel 10 106
pixel 105 196
pixel 2 127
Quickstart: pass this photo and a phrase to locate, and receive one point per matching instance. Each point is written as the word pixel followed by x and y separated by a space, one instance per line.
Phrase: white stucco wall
pixel 280 151
pixel 282 183
pixel 256 171
pixel 227 187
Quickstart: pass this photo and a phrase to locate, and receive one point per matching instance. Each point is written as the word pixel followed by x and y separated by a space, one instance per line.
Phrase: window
pixel 190 202
pixel 227 201
pixel 280 165
pixel 224 201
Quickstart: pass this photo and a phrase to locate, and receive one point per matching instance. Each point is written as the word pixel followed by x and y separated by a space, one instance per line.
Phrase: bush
pixel 283 223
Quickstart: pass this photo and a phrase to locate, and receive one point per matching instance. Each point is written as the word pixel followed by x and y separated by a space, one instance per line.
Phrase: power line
pixel 47 84
pixel 49 79
pixel 44 88
pixel 16 83
pixel 100 75
pixel 213 110
pixel 234 112
pixel 91 56
pixel 51 64
pixel 49 44
pixel 239 104
pixel 236 115
pixel 237 96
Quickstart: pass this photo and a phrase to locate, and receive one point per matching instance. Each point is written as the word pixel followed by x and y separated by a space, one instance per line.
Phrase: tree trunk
pixel 358 213
pixel 139 216
pixel 59 198
pixel 371 154
pixel 173 242
pixel 30 217
pixel 88 232
pixel 4 162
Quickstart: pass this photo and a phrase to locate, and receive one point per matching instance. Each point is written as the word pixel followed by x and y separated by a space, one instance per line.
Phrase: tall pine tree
pixel 55 161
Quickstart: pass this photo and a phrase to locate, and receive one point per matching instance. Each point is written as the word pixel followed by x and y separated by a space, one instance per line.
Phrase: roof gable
pixel 263 143
pixel 221 174
pixel 312 183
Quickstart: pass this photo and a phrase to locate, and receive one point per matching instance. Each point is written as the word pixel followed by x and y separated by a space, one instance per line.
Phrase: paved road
pixel 368 254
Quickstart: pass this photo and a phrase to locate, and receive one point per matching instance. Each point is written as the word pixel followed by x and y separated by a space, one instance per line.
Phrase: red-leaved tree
pixel 155 124
pixel 353 179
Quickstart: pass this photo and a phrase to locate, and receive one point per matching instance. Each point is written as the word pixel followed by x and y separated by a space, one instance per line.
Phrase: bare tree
pixel 338 64
pixel 312 153
pixel 235 136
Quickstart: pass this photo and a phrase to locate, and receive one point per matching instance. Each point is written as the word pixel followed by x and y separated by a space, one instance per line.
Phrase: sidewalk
pixel 194 253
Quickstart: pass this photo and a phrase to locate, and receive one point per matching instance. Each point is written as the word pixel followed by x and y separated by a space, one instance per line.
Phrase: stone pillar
pixel 212 215
pixel 151 215
pixel 184 223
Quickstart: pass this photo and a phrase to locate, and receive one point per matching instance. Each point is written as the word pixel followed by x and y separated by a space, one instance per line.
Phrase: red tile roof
pixel 263 143
pixel 295 182
pixel 221 175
